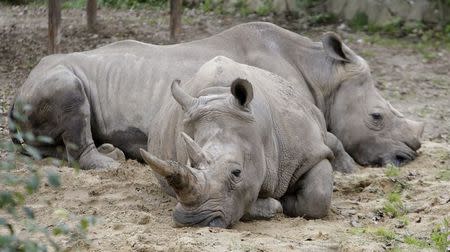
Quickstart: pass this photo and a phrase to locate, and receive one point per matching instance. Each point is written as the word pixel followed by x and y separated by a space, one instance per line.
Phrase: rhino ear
pixel 334 47
pixel 242 90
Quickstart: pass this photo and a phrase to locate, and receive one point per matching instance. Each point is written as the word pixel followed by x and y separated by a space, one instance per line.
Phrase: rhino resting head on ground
pixel 372 131
pixel 252 142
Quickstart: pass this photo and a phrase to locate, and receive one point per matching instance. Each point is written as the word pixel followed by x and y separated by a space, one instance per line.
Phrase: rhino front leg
pixel 70 114
pixel 342 162
pixel 263 209
pixel 77 138
pixel 313 196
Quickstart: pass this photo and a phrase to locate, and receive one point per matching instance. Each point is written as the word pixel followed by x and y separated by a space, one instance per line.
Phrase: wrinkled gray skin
pixel 106 95
pixel 252 139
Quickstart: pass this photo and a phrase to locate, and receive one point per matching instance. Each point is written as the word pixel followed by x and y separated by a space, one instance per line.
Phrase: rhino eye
pixel 236 172
pixel 376 116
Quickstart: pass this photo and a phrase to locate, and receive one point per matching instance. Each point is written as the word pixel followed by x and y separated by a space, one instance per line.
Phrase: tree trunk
pixel 91 10
pixel 175 18
pixel 54 26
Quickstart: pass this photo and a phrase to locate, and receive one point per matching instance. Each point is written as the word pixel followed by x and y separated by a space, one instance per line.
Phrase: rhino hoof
pixel 110 151
pixel 263 209
pixel 344 163
pixel 95 160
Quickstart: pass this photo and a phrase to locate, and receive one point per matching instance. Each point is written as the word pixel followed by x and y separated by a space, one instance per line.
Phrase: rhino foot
pixel 344 163
pixel 110 151
pixel 263 209
pixel 92 159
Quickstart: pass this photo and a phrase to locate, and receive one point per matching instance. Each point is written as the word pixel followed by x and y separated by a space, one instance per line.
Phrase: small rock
pixel 355 223
pixel 343 27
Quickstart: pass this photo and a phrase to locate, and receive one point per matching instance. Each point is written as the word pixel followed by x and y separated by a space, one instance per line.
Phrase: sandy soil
pixel 133 213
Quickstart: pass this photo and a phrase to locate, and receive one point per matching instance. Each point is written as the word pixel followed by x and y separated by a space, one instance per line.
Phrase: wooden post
pixel 91 10
pixel 54 26
pixel 175 18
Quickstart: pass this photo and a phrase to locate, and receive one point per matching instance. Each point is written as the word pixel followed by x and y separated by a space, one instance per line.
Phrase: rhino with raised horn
pixel 255 147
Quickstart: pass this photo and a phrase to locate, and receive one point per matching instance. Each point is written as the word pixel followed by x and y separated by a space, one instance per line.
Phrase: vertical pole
pixel 175 18
pixel 91 10
pixel 54 26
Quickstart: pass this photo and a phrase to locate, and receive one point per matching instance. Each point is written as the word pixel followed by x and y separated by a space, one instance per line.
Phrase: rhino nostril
pixel 217 222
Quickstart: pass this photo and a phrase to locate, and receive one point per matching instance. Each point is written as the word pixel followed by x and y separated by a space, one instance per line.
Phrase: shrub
pixel 17 186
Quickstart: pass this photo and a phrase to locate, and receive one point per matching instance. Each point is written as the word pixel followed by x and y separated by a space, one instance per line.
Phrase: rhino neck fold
pixel 318 72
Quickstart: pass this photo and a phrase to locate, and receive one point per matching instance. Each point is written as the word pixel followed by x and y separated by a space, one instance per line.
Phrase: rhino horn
pixel 159 166
pixel 184 99
pixel 195 152
pixel 180 177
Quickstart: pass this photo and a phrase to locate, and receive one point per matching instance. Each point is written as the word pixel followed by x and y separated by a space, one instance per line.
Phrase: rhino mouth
pixel 403 155
pixel 385 153
pixel 202 218
pixel 401 158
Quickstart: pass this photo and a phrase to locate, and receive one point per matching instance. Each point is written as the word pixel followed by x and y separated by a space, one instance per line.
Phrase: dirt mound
pixel 133 214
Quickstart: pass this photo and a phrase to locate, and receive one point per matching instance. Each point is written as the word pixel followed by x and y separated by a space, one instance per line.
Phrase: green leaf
pixel 32 184
pixel 6 199
pixel 28 212
pixel 10 179
pixel 61 213
pixel 6 241
pixel 84 223
pixel 61 229
pixel 45 139
pixel 5 165
pixel 29 136
pixel 53 179
pixel 32 151
pixel 20 198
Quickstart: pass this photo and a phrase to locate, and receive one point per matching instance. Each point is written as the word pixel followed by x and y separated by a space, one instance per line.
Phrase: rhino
pixel 251 141
pixel 98 100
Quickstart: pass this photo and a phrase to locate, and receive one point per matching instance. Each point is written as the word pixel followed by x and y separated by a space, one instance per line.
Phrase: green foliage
pixel 16 2
pixel 242 7
pixel 207 5
pixel 120 4
pixel 133 3
pixel 440 236
pixel 18 222
pixel 394 206
pixel 322 19
pixel 392 171
pixel 359 21
pixel 74 4
pixel 265 9
pixel 404 220
pixel 384 233
pixel 308 3
pixel 444 175
pixel 379 232
pixel 411 240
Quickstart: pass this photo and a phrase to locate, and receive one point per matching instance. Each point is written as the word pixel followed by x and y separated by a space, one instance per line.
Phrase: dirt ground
pixel 132 212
